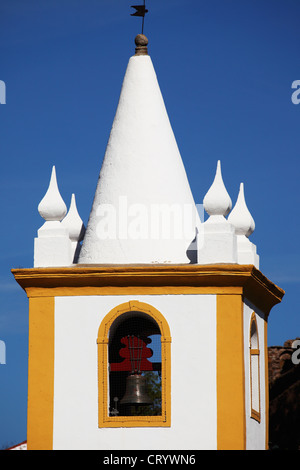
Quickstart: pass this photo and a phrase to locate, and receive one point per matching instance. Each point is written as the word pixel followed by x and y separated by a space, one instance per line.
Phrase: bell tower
pixel 147 302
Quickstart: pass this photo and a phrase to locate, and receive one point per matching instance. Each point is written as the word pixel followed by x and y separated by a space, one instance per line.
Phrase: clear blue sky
pixel 225 68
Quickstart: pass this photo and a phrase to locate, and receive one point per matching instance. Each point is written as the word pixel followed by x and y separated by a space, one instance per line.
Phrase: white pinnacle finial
pixel 73 222
pixel 217 200
pixel 52 206
pixel 52 247
pixel 74 225
pixel 217 241
pixel 240 216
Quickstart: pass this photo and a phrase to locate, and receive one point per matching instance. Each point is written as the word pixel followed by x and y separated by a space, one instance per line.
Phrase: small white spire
pixel 52 247
pixel 217 200
pixel 240 216
pixel 52 206
pixel 244 225
pixel 73 223
pixel 216 239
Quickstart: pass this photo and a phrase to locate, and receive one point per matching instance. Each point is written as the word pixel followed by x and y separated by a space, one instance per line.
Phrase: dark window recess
pixel 134 367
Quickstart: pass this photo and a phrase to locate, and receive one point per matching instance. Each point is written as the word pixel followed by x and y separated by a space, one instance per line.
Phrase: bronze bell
pixel 136 391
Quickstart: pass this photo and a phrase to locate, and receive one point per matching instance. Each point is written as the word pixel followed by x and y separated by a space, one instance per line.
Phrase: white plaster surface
pixel 52 251
pixel 22 446
pixel 142 172
pixel 219 242
pixel 246 251
pixel 192 321
pixel 255 432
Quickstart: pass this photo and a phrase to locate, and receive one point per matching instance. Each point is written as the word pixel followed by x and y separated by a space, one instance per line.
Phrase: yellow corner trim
pixel 231 424
pixel 40 374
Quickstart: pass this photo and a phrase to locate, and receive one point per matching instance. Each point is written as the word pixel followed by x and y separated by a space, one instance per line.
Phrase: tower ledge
pixel 155 279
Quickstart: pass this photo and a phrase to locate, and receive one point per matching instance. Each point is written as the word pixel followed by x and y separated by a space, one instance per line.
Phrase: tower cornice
pixel 151 279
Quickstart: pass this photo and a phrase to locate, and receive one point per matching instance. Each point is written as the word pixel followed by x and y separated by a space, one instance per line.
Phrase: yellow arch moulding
pixel 104 420
pixel 255 414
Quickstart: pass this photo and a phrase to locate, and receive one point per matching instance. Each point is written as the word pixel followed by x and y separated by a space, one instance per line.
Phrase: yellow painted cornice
pixel 151 279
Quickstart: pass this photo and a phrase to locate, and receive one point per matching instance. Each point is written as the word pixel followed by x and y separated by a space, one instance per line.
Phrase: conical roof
pixel 143 210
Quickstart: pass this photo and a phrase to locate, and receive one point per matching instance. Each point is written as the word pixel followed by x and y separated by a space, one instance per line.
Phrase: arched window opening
pixel 134 366
pixel 254 369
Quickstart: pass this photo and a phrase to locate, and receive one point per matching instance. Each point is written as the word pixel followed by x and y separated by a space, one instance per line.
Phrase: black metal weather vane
pixel 140 11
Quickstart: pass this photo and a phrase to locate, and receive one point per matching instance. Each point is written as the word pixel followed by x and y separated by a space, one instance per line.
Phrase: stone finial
pixel 73 223
pixel 240 216
pixel 216 239
pixel 52 206
pixel 244 225
pixel 217 201
pixel 141 43
pixel 52 247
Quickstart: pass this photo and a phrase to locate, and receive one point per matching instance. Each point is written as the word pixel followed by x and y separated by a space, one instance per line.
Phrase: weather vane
pixel 140 11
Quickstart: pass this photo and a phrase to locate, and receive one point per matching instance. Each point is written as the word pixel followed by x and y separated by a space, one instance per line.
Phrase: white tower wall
pixel 192 321
pixel 255 431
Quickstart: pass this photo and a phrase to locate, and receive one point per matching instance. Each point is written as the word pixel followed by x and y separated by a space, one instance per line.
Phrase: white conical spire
pixel 143 192
pixel 217 200
pixel 240 216
pixel 73 223
pixel 52 206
